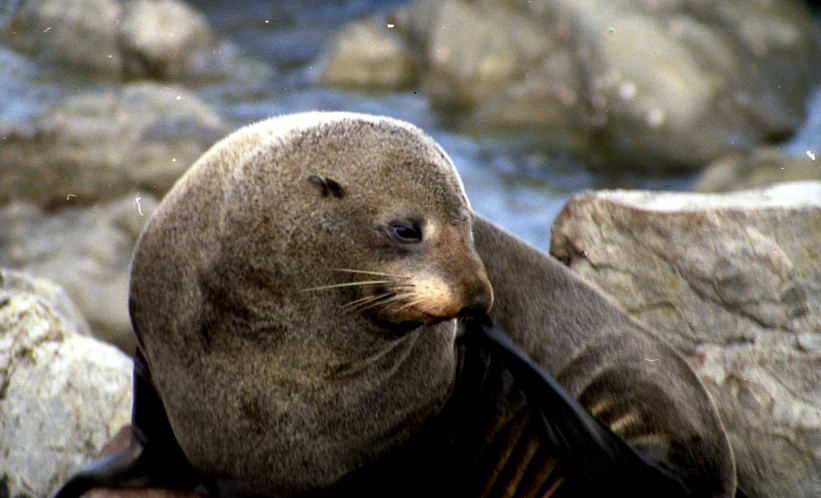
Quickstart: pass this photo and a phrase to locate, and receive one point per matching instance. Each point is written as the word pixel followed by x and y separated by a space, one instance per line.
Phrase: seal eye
pixel 405 232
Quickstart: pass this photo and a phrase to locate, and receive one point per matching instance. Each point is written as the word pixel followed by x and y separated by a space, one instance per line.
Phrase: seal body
pixel 297 298
pixel 621 372
pixel 294 297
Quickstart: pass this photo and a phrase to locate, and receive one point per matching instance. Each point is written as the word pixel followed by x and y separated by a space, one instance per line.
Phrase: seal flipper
pixel 153 457
pixel 599 455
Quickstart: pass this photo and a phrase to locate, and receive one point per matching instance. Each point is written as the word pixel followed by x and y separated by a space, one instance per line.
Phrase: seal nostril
pixel 478 304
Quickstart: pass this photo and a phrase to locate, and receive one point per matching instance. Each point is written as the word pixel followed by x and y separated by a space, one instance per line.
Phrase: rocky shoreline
pixel 730 279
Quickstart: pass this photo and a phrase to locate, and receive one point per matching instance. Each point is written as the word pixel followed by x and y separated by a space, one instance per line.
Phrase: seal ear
pixel 327 186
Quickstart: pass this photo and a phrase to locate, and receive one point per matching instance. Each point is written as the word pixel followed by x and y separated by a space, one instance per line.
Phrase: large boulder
pixel 99 145
pixel 733 281
pixel 62 395
pixel 759 168
pixel 162 39
pixel 87 250
pixel 17 282
pixel 628 84
pixel 367 54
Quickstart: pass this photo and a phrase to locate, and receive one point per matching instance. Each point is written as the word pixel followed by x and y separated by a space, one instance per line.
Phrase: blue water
pixel 507 180
pixel 513 184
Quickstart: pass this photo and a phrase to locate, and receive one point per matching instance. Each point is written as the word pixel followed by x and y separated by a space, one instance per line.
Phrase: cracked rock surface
pixel 733 281
pixel 63 395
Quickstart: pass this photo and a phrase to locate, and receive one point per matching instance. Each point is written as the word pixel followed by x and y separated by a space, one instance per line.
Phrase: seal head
pixel 294 297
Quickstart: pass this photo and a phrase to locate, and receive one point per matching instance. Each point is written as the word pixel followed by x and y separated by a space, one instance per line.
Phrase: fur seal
pixel 297 298
pixel 278 291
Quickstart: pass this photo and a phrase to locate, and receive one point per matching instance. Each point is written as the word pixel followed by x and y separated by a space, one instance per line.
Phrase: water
pixel 508 180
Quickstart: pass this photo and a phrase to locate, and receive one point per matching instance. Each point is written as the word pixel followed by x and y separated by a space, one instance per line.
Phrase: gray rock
pixel 638 85
pixel 162 39
pixel 762 167
pixel 12 281
pixel 63 31
pixel 99 146
pixel 87 250
pixel 63 395
pixel 475 50
pixel 369 54
pixel 733 281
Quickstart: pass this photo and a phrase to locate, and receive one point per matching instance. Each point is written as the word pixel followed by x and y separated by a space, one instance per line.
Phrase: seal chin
pixel 397 328
pixel 474 306
pixel 414 314
pixel 408 318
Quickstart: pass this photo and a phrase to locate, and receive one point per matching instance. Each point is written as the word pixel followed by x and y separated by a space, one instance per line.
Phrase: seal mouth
pixel 430 319
pixel 401 305
pixel 419 300
pixel 398 309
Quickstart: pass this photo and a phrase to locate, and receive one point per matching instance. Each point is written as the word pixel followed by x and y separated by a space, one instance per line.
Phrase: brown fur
pixel 256 299
pixel 279 372
pixel 621 372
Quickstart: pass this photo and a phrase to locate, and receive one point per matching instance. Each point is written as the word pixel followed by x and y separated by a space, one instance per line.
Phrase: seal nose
pixel 478 302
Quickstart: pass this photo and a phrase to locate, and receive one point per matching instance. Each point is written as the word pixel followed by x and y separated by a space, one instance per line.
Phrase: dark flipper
pixel 590 449
pixel 153 458
pixel 586 447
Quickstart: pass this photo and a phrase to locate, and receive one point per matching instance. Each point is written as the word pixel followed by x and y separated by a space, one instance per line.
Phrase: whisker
pixel 366 306
pixel 410 304
pixel 347 284
pixel 365 300
pixel 387 299
pixel 383 298
pixel 367 272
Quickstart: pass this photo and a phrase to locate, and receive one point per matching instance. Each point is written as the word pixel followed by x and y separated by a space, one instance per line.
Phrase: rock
pixel 63 31
pixel 368 54
pixel 87 250
pixel 12 281
pixel 62 395
pixel 162 39
pixel 473 50
pixel 732 281
pixel 764 166
pixel 142 493
pixel 648 86
pixel 99 145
